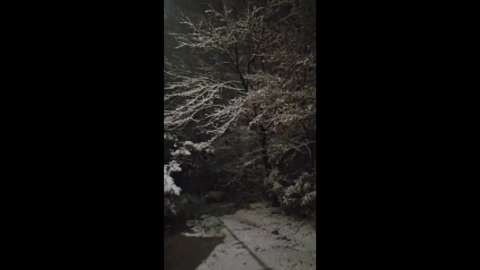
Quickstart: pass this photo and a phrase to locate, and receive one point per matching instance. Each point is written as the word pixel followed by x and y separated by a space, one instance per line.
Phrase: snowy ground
pixel 257 238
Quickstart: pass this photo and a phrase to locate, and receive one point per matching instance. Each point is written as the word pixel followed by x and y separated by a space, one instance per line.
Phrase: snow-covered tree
pixel 251 81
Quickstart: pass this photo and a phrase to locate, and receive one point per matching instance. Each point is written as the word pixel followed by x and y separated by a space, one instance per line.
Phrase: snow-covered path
pixel 258 238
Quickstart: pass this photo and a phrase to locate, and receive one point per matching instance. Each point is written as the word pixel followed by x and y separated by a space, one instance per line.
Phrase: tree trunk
pixel 264 150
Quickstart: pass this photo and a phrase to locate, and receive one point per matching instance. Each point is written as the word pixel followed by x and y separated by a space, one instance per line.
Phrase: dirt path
pixel 256 238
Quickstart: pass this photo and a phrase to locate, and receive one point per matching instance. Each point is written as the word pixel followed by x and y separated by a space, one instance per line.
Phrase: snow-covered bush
pixel 299 194
pixel 178 153
pixel 168 184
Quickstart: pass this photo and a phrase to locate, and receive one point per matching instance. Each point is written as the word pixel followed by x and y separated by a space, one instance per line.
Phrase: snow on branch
pixel 168 184
pixel 201 100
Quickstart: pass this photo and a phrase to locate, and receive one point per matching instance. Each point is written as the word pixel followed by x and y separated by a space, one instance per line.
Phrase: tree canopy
pixel 240 99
